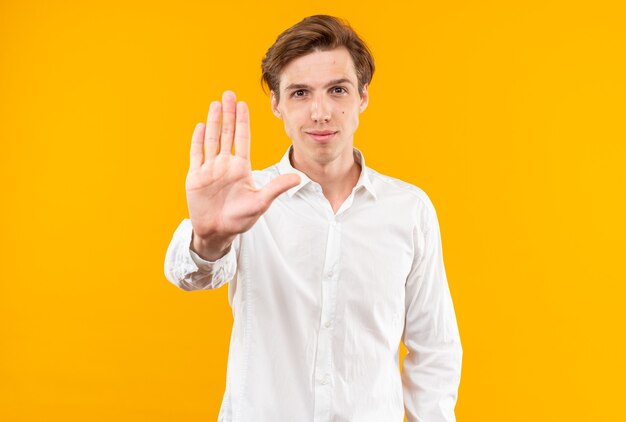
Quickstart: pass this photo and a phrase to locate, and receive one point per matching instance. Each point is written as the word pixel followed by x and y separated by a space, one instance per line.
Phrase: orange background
pixel 510 115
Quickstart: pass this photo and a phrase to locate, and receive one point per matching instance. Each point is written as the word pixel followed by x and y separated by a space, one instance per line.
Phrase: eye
pixel 297 93
pixel 339 90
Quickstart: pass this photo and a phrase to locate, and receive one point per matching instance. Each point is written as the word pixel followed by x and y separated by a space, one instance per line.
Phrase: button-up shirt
pixel 321 301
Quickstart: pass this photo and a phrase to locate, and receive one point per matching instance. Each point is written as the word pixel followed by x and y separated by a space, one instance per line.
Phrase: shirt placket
pixel 324 378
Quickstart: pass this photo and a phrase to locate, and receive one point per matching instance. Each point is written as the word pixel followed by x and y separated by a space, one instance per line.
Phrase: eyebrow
pixel 333 82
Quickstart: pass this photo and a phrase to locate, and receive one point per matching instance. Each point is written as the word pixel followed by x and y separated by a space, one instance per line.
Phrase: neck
pixel 337 177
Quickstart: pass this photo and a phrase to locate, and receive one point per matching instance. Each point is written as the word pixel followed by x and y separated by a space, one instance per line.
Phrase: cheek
pixel 287 127
pixel 348 113
pixel 291 123
pixel 351 119
pixel 293 118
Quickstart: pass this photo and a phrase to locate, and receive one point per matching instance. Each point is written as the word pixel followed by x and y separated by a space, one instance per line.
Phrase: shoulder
pixel 402 193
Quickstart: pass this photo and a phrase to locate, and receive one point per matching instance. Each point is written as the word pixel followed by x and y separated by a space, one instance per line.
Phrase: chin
pixel 318 152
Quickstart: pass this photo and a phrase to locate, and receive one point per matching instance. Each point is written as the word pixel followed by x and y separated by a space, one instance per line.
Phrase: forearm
pixel 431 375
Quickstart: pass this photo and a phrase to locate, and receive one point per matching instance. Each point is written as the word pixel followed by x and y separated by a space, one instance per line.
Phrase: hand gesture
pixel 222 198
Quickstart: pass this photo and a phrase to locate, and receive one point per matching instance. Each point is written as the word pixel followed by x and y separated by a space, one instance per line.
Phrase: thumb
pixel 279 185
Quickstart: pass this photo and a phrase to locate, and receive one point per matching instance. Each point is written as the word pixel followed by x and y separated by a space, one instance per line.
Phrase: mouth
pixel 322 135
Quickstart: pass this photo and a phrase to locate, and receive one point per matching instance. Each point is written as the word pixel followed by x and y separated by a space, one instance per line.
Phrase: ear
pixel 364 99
pixel 274 103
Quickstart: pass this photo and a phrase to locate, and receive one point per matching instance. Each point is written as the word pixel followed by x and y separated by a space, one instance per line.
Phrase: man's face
pixel 320 105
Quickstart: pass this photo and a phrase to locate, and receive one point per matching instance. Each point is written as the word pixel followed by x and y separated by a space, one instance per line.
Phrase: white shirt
pixel 321 302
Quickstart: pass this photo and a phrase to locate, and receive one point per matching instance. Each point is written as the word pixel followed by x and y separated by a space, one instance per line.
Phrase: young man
pixel 329 263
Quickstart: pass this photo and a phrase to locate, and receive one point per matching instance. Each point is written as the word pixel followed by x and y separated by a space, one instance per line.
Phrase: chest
pixel 367 251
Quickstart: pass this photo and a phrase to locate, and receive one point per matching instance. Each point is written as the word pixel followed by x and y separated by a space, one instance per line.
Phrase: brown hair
pixel 318 32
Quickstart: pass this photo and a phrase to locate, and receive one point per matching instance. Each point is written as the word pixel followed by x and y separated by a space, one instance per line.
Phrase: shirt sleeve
pixel 188 271
pixel 431 371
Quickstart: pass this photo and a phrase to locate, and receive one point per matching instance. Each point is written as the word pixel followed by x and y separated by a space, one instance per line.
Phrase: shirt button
pixel 330 273
pixel 327 325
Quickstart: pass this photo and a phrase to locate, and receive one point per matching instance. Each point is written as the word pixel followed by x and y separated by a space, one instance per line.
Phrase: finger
pixel 278 186
pixel 242 131
pixel 228 122
pixel 196 154
pixel 212 130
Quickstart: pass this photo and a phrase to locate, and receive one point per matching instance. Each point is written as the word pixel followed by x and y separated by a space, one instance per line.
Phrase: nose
pixel 320 110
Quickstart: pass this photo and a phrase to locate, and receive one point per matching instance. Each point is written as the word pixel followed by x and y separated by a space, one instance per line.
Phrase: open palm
pixel 222 198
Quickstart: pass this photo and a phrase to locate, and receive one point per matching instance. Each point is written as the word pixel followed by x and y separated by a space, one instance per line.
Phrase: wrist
pixel 210 248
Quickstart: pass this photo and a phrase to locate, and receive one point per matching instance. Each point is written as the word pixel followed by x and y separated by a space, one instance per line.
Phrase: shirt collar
pixel 285 167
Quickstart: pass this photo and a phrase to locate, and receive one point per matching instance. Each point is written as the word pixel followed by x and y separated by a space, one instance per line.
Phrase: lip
pixel 322 135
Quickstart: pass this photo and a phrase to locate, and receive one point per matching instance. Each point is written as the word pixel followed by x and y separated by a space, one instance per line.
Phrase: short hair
pixel 316 33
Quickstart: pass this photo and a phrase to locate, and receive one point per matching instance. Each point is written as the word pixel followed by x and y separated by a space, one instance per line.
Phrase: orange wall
pixel 510 115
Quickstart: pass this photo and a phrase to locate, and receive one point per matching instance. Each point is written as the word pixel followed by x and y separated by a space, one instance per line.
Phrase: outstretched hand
pixel 222 198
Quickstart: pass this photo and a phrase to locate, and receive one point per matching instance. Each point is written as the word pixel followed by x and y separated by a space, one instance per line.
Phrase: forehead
pixel 319 67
